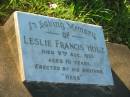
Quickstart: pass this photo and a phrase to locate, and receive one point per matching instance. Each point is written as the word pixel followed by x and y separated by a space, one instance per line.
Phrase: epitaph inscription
pixel 61 51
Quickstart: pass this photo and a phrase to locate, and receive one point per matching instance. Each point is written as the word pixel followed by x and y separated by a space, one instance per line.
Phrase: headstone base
pixel 68 90
pixel 72 90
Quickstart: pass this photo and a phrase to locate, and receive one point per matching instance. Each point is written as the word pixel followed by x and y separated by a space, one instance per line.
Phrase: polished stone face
pixel 61 51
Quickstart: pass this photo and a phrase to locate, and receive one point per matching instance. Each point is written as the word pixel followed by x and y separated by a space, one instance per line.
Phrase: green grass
pixel 129 24
pixel 114 16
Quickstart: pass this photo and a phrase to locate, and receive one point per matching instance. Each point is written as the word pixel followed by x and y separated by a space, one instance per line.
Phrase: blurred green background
pixel 113 15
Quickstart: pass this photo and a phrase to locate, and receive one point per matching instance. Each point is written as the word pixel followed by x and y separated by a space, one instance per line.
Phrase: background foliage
pixel 113 15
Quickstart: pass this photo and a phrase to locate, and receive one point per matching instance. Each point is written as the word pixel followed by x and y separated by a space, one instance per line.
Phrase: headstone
pixel 59 51
pixel 59 57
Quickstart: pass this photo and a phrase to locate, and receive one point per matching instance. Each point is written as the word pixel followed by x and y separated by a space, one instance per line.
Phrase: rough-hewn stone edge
pixel 1 28
pixel 13 42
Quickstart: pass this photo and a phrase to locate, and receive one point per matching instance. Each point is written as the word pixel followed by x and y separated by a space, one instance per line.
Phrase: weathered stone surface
pixel 120 60
pixel 10 82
